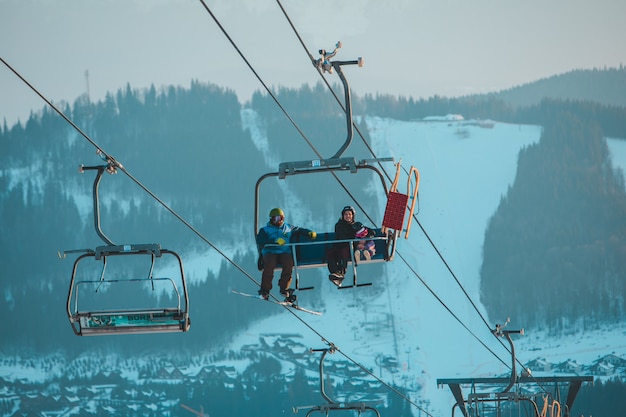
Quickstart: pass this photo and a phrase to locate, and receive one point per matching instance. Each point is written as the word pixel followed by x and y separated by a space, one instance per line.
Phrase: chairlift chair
pixel 313 254
pixel 86 321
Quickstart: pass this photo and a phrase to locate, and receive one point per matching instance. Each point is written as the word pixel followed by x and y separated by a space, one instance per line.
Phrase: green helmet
pixel 277 212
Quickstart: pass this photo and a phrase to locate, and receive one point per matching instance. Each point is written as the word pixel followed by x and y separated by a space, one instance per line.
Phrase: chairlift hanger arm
pixel 111 169
pixel 324 64
pixel 348 104
pixel 322 390
pixel 500 332
pixel 333 405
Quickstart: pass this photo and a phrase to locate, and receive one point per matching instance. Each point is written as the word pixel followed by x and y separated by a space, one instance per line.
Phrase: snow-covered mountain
pixel 406 315
pixel 465 167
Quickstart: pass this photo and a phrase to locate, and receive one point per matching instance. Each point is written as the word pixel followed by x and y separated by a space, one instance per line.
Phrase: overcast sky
pixel 416 48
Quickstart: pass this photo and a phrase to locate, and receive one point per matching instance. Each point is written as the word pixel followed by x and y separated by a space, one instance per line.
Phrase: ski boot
pixel 336 278
pixel 264 294
pixel 289 295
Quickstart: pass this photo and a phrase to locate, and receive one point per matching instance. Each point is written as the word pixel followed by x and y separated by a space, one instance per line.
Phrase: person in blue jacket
pixel 271 240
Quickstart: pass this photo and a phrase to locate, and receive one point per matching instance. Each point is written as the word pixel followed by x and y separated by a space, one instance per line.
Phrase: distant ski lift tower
pixel 525 389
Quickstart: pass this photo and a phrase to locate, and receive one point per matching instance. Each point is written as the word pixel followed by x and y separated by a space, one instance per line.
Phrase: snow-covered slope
pixel 420 318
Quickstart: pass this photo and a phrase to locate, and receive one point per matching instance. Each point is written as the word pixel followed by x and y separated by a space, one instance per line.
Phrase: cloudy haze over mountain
pixel 66 48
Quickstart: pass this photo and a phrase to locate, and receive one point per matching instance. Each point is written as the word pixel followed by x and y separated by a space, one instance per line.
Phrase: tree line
pixel 558 230
pixel 554 250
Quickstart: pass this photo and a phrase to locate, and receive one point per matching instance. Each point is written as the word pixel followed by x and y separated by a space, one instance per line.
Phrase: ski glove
pixel 281 241
pixel 312 235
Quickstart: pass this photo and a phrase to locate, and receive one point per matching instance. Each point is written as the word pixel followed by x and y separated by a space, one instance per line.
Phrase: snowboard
pixel 282 303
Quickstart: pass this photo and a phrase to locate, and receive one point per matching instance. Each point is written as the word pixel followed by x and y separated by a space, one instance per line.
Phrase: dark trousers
pixel 338 256
pixel 270 261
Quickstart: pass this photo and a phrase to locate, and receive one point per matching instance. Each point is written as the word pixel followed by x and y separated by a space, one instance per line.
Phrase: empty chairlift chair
pixel 105 302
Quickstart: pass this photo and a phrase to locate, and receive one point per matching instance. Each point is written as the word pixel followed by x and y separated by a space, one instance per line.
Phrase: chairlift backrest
pixel 313 254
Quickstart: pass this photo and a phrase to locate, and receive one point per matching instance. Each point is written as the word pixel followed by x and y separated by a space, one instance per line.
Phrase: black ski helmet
pixel 348 208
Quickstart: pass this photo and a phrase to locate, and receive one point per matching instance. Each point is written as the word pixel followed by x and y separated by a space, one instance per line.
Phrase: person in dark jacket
pixel 339 253
pixel 271 242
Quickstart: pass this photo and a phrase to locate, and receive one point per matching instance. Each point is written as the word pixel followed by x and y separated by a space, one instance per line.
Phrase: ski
pixel 282 303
